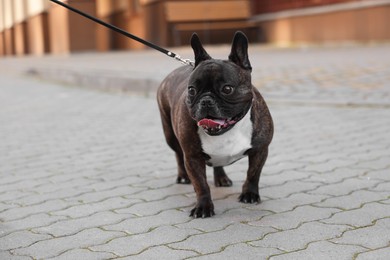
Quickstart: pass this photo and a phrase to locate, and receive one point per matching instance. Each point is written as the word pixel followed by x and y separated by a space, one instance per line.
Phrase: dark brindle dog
pixel 212 114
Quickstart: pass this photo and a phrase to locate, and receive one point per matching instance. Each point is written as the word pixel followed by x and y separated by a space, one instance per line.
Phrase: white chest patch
pixel 229 147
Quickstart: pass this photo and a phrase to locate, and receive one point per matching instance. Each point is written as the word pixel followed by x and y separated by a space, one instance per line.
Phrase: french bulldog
pixel 213 115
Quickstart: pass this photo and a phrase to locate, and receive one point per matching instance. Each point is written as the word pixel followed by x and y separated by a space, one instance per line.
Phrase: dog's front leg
pixel 250 189
pixel 196 170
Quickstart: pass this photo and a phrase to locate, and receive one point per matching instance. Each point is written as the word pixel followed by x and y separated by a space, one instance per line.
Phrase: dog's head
pixel 220 91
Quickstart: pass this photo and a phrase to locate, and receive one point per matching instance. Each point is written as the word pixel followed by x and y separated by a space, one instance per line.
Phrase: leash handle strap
pixel 132 36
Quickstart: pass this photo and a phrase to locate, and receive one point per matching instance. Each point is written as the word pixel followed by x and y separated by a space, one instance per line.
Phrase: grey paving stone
pixel 345 187
pixel 385 202
pixel 323 250
pixel 211 242
pixel 97 196
pixel 56 195
pixel 135 244
pixel 288 189
pixel 54 247
pixel 381 253
pixel 87 209
pixel 360 217
pixel 22 212
pixel 158 183
pixel 241 251
pixel 136 225
pixel 162 252
pixel 29 174
pixel 8 256
pixel 362 236
pixel 8 196
pixel 378 164
pixel 22 184
pixel 292 219
pixel 354 200
pixel 302 235
pixel 153 194
pixel 105 184
pixel 4 206
pixel 382 174
pixel 59 185
pixel 72 226
pixel 283 166
pixel 155 207
pixel 328 166
pixel 384 186
pixel 32 221
pixel 84 254
pixel 285 176
pixel 290 202
pixel 321 158
pixel 221 194
pixel 336 175
pixel 224 219
pixel 20 239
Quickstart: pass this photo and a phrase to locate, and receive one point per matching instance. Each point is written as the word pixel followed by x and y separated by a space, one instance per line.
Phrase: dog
pixel 212 115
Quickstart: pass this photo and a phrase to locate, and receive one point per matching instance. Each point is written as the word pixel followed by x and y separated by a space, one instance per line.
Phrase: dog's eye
pixel 227 90
pixel 191 91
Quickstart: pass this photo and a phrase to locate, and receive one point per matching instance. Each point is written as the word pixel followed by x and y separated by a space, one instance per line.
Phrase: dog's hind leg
pixel 220 178
pixel 171 139
pixel 182 177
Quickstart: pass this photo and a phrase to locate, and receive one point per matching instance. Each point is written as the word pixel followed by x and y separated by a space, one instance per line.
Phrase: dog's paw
pixel 183 180
pixel 220 178
pixel 249 197
pixel 222 181
pixel 203 211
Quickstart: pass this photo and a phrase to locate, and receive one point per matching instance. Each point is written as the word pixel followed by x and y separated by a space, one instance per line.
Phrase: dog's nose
pixel 207 102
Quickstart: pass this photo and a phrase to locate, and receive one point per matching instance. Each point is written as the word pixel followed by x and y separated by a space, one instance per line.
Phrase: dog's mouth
pixel 217 126
pixel 213 125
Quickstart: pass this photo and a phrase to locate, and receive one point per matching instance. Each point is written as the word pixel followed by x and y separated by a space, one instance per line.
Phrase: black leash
pixel 132 36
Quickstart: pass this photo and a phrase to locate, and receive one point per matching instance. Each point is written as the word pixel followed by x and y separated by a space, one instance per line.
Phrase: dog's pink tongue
pixel 211 123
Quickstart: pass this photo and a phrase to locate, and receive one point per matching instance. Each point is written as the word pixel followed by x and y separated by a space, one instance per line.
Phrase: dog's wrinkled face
pixel 218 95
pixel 220 91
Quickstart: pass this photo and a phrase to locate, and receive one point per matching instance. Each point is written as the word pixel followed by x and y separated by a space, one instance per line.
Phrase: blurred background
pixel 37 27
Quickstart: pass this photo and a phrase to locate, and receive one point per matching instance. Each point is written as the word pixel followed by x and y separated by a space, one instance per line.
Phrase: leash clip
pixel 183 61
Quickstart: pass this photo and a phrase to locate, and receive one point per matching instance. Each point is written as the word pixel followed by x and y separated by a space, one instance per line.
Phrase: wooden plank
pixel 207 10
pixel 214 26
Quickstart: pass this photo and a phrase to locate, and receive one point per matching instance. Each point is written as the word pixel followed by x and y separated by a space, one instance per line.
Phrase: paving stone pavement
pixel 86 174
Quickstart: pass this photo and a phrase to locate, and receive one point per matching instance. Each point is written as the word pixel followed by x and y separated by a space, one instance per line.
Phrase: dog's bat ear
pixel 199 52
pixel 239 52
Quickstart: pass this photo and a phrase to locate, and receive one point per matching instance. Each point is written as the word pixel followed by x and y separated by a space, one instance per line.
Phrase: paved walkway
pixel 86 174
